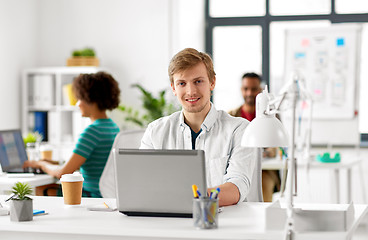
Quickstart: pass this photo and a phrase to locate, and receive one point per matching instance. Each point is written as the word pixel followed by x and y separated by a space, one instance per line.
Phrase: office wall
pixel 133 39
pixel 18 27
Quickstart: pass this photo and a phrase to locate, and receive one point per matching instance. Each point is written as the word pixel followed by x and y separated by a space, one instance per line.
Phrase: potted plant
pixel 32 143
pixel 83 57
pixel 155 107
pixel 32 137
pixel 21 206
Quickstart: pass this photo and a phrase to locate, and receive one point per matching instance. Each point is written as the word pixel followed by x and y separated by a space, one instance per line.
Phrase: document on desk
pixel 104 207
pixel 3 210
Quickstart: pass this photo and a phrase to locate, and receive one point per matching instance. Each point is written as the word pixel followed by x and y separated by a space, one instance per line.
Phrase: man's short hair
pixel 188 58
pixel 252 75
pixel 100 88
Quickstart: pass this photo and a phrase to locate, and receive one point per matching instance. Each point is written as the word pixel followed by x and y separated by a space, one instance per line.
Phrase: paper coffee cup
pixel 72 185
pixel 46 152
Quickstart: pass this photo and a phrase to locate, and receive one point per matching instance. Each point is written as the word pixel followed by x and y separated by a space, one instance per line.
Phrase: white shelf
pixel 63 70
pixel 43 92
pixel 60 108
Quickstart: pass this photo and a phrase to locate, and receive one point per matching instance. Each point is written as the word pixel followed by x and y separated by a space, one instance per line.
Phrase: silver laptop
pixel 158 182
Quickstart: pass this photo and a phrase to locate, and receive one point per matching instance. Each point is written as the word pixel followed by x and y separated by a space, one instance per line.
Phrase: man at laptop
pixel 200 126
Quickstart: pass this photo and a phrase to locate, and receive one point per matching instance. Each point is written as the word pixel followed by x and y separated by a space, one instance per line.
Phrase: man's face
pixel 250 88
pixel 193 89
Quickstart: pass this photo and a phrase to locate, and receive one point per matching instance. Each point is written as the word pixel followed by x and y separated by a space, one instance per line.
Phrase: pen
pixel 199 194
pixel 10 198
pixel 214 193
pixel 107 206
pixel 195 190
pixel 38 212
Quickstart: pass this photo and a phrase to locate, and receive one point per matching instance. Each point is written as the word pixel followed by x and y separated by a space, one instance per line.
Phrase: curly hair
pixel 187 58
pixel 100 88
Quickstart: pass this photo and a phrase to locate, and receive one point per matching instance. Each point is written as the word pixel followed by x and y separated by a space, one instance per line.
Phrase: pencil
pixel 195 190
pixel 107 206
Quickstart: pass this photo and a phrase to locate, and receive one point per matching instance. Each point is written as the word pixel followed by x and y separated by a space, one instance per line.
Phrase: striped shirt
pixel 95 144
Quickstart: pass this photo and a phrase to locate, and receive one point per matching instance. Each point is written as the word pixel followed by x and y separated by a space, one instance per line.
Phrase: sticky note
pixel 340 42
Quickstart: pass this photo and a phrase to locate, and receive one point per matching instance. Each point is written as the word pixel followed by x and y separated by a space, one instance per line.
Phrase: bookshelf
pixel 46 106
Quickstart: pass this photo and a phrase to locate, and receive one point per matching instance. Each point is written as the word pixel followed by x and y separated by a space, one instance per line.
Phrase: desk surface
pixel 7 183
pixel 243 221
pixel 277 164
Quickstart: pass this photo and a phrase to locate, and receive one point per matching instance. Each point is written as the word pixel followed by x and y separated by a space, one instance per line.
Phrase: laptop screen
pixel 12 151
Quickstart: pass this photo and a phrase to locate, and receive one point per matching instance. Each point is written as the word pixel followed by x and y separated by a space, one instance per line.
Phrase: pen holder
pixel 205 213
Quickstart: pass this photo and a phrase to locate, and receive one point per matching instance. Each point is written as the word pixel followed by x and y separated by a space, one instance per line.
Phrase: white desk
pixel 244 221
pixel 347 165
pixel 6 183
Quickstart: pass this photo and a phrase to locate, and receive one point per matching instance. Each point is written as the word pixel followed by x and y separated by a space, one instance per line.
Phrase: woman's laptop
pixel 12 151
pixel 158 182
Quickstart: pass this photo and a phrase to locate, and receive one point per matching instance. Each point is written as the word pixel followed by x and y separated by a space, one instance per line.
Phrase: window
pixel 246 35
pixel 300 7
pixel 237 8
pixel 236 50
pixel 363 97
pixel 351 6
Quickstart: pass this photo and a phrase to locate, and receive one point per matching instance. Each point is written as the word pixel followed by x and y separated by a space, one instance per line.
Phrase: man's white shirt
pixel 220 138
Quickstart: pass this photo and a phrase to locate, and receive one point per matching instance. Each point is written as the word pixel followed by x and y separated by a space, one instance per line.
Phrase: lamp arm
pixel 276 102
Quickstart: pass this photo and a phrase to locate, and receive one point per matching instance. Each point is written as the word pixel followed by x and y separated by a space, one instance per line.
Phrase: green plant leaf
pixel 21 190
pixel 77 53
pixel 155 107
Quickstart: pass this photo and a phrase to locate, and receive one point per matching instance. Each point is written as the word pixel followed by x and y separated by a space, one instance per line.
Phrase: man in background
pixel 251 86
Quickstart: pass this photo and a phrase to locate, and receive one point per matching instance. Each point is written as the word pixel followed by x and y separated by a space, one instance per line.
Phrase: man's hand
pixel 269 152
pixel 229 194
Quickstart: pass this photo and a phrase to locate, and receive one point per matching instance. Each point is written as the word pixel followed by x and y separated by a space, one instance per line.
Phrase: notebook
pixel 12 151
pixel 158 182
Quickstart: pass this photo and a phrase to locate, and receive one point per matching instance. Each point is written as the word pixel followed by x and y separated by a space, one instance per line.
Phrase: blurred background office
pixel 134 41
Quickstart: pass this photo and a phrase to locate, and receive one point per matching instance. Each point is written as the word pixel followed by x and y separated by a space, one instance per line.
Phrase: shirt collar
pixel 208 122
pixel 210 119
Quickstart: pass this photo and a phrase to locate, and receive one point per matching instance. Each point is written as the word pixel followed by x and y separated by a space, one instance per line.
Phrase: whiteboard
pixel 328 60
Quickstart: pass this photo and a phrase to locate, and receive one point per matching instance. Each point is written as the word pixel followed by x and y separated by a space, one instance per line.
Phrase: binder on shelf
pixel 53 127
pixel 41 93
pixel 41 124
pixel 68 95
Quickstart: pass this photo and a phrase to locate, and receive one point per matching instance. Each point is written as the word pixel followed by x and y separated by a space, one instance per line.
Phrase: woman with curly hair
pixel 96 93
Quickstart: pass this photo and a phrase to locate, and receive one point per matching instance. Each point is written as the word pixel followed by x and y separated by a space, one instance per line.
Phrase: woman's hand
pixel 32 164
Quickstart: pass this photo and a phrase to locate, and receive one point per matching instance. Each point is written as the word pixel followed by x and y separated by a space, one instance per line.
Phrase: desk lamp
pixel 267 131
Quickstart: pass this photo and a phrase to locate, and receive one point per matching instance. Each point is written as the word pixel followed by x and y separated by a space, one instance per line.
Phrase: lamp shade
pixel 265 131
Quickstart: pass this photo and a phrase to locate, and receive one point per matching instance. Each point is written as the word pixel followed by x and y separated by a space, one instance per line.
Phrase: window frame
pixel 265 22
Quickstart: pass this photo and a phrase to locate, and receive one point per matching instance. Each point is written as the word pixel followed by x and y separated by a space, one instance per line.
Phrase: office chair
pixel 255 191
pixel 124 139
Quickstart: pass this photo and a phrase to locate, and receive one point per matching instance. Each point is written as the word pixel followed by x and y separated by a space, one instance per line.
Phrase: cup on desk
pixel 72 185
pixel 205 213
pixel 46 152
pixel 33 152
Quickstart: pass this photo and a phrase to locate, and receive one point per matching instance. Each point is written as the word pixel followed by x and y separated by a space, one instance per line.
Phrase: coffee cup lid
pixel 75 177
pixel 45 148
